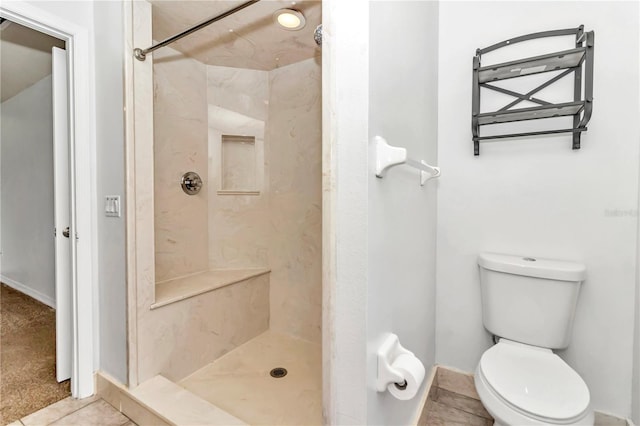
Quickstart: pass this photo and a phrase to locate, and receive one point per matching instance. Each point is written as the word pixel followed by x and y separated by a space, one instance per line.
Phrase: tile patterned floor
pixel 76 412
pixel 453 401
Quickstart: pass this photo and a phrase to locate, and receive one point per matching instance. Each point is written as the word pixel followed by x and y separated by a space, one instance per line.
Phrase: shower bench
pixel 177 289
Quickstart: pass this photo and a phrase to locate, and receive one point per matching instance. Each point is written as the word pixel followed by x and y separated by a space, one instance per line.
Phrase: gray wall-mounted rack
pixel 571 61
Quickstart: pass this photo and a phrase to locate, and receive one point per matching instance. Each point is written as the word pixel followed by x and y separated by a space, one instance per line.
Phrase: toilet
pixel 528 304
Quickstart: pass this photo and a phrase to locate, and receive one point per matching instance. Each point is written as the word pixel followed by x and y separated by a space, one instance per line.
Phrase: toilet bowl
pixel 525 385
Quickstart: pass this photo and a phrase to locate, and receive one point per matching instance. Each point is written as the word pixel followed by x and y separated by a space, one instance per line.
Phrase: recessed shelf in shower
pixel 238 166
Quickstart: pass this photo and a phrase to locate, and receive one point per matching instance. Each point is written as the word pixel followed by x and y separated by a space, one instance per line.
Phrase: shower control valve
pixel 191 183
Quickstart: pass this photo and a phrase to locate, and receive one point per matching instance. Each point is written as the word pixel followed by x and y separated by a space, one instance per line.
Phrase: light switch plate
pixel 112 205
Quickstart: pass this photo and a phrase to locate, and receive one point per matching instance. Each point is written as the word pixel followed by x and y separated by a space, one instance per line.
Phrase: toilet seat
pixel 535 381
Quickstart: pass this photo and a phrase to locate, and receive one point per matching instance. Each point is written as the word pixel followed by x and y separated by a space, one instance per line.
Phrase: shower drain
pixel 278 372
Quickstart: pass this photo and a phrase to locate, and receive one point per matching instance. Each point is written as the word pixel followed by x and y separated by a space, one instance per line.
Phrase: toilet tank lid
pixel 533 267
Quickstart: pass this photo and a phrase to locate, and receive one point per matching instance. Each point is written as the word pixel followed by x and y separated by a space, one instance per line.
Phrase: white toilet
pixel 529 304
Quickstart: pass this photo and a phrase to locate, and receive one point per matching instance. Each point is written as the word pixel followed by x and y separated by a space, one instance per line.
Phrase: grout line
pixel 71 412
pixel 463 397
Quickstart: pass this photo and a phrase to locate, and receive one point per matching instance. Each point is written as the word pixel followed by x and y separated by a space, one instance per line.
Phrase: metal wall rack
pixel 571 61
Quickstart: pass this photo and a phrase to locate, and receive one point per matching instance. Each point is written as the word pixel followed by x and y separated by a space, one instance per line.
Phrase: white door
pixel 62 205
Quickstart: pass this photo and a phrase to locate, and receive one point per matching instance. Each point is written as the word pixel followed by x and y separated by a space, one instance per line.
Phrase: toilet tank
pixel 529 300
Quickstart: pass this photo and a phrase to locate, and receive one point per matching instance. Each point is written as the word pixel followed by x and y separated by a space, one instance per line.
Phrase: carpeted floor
pixel 27 356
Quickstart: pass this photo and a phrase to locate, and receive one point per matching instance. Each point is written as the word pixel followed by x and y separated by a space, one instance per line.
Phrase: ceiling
pixel 247 39
pixel 25 58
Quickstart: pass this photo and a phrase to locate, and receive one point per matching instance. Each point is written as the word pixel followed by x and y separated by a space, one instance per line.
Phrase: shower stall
pixel 228 212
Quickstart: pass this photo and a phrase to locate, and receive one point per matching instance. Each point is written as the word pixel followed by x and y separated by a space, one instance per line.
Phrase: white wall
pixel 403 106
pixel 635 390
pixel 28 261
pixel 378 235
pixel 109 44
pixel 345 133
pixel 538 197
pixel 104 23
pixel 635 394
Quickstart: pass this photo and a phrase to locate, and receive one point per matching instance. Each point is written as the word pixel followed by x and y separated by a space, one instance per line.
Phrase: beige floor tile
pixel 98 413
pixel 457 382
pixel 602 419
pixel 16 423
pixel 461 402
pixel 240 384
pixel 442 415
pixel 56 411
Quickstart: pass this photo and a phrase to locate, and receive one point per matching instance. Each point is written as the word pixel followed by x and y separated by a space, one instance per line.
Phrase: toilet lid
pixel 535 380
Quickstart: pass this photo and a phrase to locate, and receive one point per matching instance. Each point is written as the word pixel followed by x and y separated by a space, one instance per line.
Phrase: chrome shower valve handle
pixel 191 183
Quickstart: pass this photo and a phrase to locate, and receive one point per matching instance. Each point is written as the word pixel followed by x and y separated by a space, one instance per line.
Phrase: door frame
pixel 82 180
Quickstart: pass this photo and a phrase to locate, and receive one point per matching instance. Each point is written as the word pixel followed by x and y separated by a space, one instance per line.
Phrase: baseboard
pixel 40 297
pixel 423 400
pixel 606 419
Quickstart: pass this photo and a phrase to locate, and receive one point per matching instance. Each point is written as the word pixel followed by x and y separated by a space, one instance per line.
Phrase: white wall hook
pixel 387 353
pixel 388 156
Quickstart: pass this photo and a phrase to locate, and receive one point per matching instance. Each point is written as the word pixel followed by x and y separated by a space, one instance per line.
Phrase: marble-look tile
pixel 108 390
pixel 239 382
pixel 193 285
pixel 179 405
pixel 177 339
pixel 180 146
pixel 602 419
pixel 139 414
pixel 97 413
pixel 457 382
pixel 239 229
pixel 254 42
pixel 118 396
pixel 461 402
pixel 56 411
pixel 440 414
pixel 140 176
pixel 294 152
pixel 244 91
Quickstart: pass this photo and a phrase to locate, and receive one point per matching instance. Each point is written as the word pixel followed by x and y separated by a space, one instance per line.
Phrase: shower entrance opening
pixel 228 125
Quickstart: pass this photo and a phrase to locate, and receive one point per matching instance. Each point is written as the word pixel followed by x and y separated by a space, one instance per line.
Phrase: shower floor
pixel 239 382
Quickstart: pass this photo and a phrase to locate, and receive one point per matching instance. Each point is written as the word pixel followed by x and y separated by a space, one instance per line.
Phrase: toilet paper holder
pixel 387 353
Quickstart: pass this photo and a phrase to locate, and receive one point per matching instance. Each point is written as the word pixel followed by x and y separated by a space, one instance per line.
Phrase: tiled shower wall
pixel 279 224
pixel 238 102
pixel 294 152
pixel 180 145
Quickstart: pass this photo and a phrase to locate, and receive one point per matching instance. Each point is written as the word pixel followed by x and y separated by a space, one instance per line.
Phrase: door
pixel 61 211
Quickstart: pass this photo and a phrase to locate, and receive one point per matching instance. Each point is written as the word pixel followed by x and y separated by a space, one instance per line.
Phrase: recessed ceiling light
pixel 290 19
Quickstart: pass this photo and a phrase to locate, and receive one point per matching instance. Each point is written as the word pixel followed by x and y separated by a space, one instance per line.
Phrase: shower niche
pixel 238 165
pixel 527 80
